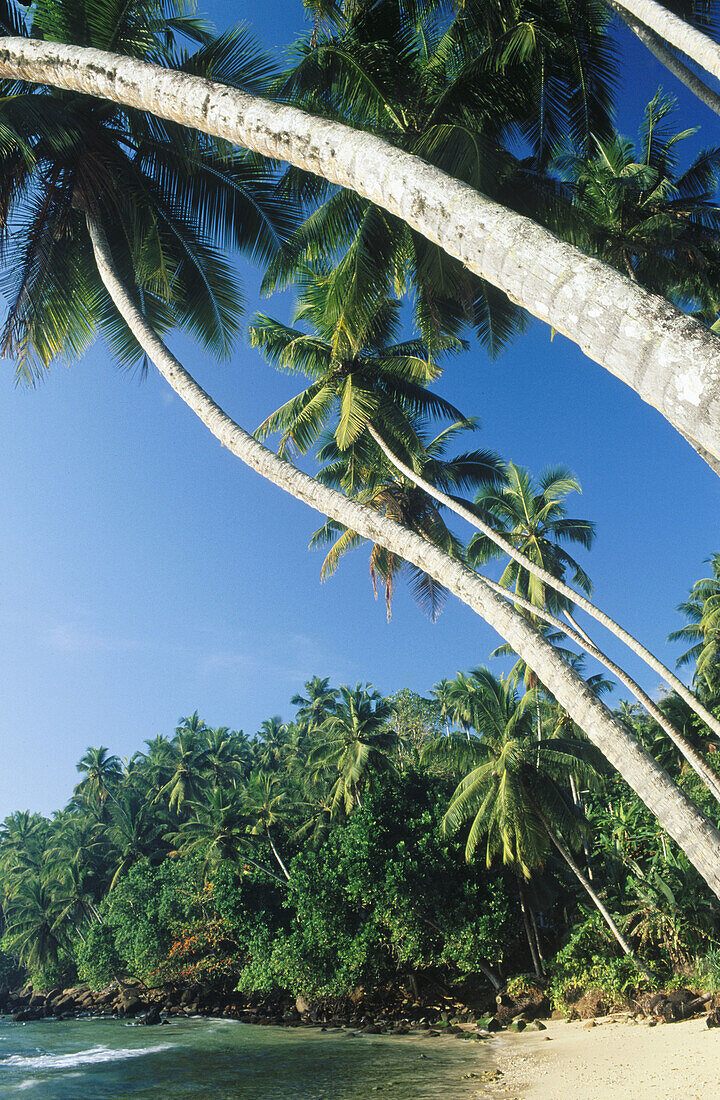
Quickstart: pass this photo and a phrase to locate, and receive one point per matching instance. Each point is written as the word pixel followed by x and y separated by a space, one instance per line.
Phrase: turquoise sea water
pixel 227 1060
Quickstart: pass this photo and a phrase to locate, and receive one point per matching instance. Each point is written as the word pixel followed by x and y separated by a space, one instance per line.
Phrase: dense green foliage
pixel 339 849
pixel 329 853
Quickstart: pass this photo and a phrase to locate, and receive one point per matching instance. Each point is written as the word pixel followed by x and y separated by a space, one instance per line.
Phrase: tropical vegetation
pixel 308 857
pixel 365 841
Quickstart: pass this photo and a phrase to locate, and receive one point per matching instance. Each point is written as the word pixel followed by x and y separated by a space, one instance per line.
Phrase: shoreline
pixel 611 1057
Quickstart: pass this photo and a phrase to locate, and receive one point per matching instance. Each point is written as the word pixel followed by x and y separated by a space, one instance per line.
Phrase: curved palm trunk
pixel 667 58
pixel 700 766
pixel 693 832
pixel 670 360
pixel 265 870
pixel 581 601
pixel 670 28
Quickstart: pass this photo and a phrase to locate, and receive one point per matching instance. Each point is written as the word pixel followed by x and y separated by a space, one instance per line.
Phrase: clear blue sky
pixel 145 573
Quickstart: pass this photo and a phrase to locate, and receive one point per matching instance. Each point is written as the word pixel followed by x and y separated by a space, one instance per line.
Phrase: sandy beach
pixel 614 1060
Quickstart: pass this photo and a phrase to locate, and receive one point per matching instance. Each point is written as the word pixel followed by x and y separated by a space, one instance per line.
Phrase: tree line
pixel 373 840
pixel 462 157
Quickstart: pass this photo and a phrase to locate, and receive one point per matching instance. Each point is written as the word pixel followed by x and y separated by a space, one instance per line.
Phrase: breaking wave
pixel 94 1056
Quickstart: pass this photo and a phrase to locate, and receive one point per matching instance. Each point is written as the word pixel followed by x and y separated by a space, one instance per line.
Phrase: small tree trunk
pixel 591 894
pixel 528 930
pixel 275 852
pixel 578 803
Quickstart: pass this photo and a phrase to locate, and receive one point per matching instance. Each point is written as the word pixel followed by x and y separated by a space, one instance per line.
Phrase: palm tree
pixel 545 285
pixel 156 765
pixel 133 833
pixel 702 609
pixel 226 755
pixel 556 585
pixel 357 741
pixel 23 836
pixel 187 779
pixel 512 792
pixel 263 802
pixel 163 200
pixel 318 701
pixel 362 472
pixel 550 277
pixel 451 92
pixel 361 375
pixel 271 743
pixel 532 516
pixel 219 829
pixel 639 213
pixel 102 775
pixel 32 930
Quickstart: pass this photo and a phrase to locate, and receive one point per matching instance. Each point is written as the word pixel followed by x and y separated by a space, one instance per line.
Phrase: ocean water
pixel 227 1060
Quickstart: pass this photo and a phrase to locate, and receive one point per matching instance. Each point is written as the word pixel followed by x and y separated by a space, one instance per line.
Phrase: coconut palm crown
pixel 168 201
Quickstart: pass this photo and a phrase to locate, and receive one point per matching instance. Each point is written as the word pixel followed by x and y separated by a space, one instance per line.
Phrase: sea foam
pixel 81 1058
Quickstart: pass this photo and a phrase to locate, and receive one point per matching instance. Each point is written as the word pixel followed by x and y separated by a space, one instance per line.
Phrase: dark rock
pixel 533 1003
pixel 151 1018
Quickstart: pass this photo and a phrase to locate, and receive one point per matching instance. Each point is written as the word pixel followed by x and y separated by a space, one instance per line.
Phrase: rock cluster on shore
pixel 403 1015
pixel 132 999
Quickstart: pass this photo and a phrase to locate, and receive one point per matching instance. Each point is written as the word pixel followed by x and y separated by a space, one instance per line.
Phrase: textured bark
pixel 577 598
pixel 672 29
pixel 670 360
pixel 692 831
pixel 667 58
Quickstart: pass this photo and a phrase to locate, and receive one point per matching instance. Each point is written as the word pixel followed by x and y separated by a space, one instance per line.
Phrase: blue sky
pixel 145 573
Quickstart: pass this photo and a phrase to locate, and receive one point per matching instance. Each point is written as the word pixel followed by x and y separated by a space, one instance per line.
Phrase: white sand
pixel 614 1060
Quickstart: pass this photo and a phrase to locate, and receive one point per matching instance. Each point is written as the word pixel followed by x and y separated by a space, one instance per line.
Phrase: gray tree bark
pixel 670 28
pixel 693 832
pixel 667 58
pixel 670 360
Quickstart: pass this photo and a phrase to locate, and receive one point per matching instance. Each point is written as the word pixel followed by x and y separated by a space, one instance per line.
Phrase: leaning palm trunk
pixel 667 58
pixel 564 852
pixel 692 831
pixel 671 361
pixel 278 858
pixel 671 29
pixel 700 766
pixel 555 583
